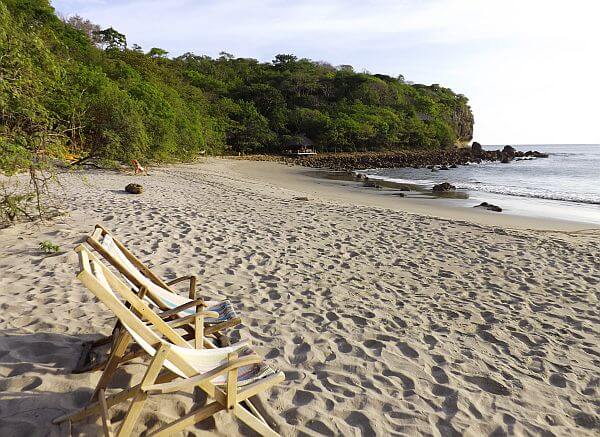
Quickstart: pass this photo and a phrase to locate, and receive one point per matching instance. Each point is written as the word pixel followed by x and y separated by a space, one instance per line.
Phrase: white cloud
pixel 529 66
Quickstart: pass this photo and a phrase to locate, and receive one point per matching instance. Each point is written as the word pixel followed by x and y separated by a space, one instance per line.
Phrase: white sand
pixel 384 322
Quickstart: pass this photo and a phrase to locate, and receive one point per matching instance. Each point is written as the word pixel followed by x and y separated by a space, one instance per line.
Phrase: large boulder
pixel 509 151
pixel 134 188
pixel 445 186
pixel 476 149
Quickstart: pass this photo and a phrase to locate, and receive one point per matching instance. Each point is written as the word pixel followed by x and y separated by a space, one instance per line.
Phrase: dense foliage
pixel 68 86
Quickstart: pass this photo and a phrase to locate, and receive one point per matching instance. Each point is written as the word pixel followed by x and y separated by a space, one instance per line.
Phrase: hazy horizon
pixel 528 69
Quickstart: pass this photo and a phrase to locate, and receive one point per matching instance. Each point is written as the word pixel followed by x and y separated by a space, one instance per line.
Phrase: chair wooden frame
pixel 194 329
pixel 157 378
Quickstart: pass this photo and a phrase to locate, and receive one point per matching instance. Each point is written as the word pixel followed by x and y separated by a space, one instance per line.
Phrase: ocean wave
pixel 525 192
pixel 400 180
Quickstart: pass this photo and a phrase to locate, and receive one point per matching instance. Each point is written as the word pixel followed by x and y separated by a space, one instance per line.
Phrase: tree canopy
pixel 72 86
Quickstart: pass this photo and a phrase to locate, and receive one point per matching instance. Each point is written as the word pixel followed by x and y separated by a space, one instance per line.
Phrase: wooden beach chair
pixel 156 291
pixel 229 376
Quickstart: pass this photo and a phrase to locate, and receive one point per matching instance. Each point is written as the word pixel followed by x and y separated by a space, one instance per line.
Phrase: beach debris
pixel 444 186
pixel 489 207
pixel 399 194
pixel 304 198
pixel 134 188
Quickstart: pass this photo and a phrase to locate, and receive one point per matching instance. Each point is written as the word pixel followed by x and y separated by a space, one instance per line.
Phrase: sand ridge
pixel 385 323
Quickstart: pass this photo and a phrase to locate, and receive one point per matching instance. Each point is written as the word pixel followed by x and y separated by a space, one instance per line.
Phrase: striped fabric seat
pixel 224 308
pixel 249 374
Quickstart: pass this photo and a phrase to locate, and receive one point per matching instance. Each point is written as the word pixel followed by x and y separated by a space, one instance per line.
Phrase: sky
pixel 530 68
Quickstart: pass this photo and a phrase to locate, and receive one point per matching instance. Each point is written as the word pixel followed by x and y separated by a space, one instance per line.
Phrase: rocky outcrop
pixel 432 159
pixel 443 187
pixel 462 121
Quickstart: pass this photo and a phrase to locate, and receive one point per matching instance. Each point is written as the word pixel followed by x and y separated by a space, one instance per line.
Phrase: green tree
pixel 111 39
pixel 156 52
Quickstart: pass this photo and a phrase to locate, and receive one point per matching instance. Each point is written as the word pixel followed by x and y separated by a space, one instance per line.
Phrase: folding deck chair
pixel 229 375
pixel 156 291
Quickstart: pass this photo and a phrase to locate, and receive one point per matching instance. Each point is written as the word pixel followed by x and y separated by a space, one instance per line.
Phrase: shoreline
pixel 298 178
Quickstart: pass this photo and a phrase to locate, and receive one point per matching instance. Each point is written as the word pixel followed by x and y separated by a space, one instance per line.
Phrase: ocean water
pixel 566 185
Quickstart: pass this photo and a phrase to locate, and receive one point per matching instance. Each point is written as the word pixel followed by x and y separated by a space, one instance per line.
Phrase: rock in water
pixel 476 149
pixel 134 188
pixel 445 186
pixel 509 151
pixel 489 207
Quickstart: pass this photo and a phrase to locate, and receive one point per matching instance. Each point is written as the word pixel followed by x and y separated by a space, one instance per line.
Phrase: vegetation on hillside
pixel 68 87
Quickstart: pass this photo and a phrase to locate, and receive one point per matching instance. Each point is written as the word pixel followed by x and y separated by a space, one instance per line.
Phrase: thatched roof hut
pixel 299 145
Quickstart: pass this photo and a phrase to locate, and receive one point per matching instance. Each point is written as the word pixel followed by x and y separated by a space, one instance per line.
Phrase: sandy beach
pixel 388 316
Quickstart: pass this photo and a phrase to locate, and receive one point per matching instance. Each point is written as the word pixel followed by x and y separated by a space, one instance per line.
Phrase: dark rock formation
pixel 431 159
pixel 444 186
pixel 134 188
pixel 509 151
pixel 489 207
pixel 476 149
pixel 462 122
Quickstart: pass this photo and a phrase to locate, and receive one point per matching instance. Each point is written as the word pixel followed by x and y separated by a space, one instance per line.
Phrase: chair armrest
pixel 181 279
pixel 191 304
pixel 190 319
pixel 170 387
pixel 192 279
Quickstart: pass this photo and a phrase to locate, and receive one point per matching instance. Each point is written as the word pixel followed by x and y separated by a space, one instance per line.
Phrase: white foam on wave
pixel 424 182
pixel 527 192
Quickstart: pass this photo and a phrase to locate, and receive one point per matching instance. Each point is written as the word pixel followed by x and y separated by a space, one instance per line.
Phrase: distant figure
pixel 138 168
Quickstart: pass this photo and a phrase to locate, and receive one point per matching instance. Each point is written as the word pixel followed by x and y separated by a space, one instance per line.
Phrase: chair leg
pixel 137 403
pixel 253 410
pixel 253 422
pixel 114 359
pixel 105 420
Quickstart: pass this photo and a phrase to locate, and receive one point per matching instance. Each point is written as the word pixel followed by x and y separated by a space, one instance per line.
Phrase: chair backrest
pixel 110 290
pixel 157 291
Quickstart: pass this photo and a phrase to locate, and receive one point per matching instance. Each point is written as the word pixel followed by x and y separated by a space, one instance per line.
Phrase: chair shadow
pixel 38 385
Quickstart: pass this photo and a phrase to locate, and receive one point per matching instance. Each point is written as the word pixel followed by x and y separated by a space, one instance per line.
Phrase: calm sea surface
pixel 566 185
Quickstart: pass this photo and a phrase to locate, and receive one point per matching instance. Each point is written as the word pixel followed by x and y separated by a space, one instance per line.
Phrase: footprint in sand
pixel 488 384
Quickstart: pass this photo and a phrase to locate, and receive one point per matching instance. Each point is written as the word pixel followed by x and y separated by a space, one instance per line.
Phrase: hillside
pixel 67 87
